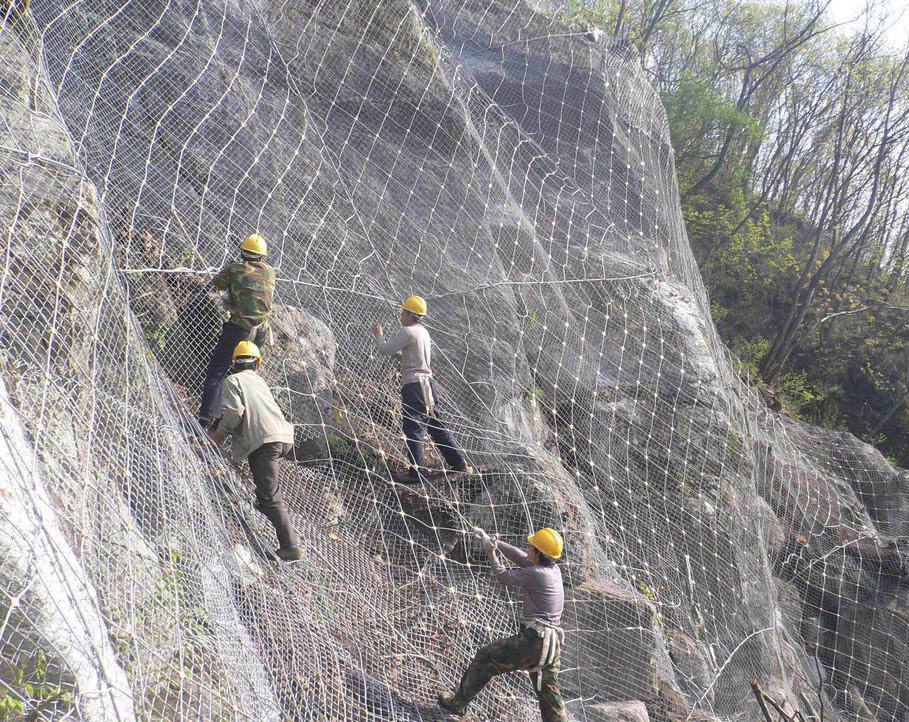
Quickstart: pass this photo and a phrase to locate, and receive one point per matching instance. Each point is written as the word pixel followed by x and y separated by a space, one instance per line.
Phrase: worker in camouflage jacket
pixel 537 647
pixel 250 288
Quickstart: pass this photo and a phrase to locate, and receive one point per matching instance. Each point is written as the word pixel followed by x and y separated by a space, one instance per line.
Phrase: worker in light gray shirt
pixel 537 646
pixel 419 404
pixel 261 435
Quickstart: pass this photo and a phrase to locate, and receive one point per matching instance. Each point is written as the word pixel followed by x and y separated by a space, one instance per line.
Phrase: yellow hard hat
pixel 415 304
pixel 246 349
pixel 254 243
pixel 548 541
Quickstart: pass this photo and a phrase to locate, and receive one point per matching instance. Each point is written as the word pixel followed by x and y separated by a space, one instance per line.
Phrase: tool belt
pixel 553 636
pixel 429 400
pixel 264 327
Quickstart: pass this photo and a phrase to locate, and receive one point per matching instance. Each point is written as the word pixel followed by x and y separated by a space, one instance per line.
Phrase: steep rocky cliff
pixel 517 173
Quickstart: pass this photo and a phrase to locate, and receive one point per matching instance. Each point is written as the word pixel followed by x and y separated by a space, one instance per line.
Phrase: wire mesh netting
pixel 515 171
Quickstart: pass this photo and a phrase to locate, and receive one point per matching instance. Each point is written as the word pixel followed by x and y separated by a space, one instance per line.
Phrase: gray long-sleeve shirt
pixel 415 347
pixel 544 595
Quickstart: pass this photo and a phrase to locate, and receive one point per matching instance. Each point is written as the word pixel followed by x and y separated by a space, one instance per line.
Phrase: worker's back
pixel 415 347
pixel 416 356
pixel 251 414
pixel 250 286
pixel 544 594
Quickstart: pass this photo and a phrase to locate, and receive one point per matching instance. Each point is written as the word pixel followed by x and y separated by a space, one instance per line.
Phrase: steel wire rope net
pixel 517 172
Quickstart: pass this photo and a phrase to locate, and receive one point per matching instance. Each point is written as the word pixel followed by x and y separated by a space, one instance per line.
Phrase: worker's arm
pixel 523 577
pixel 222 280
pixel 516 577
pixel 232 409
pixel 391 346
pixel 514 555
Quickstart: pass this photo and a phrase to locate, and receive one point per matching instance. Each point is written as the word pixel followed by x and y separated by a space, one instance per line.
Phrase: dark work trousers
pixel 265 464
pixel 415 419
pixel 219 365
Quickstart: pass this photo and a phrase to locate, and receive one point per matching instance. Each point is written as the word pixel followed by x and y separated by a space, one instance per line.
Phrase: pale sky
pixel 897 27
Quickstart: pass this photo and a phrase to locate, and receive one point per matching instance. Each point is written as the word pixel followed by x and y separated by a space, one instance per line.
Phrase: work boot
pixel 289 554
pixel 465 469
pixel 411 477
pixel 449 701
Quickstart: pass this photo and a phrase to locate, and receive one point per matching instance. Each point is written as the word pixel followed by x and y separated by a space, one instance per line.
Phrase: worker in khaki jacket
pixel 418 391
pixel 261 435
pixel 250 287
pixel 537 646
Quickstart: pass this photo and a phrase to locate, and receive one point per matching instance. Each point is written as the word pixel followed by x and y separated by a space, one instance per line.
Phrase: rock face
pixel 633 711
pixel 517 174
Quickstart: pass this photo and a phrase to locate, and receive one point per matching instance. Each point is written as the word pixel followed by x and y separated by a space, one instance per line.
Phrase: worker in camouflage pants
pixel 250 288
pixel 536 648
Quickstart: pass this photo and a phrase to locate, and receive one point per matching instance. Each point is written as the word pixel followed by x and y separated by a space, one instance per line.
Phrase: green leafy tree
pixel 792 152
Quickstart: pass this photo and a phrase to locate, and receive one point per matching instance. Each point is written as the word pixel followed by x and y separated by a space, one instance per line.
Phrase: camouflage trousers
pixel 520 652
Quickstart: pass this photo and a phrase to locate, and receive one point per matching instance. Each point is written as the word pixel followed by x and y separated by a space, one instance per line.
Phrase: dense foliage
pixel 791 138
